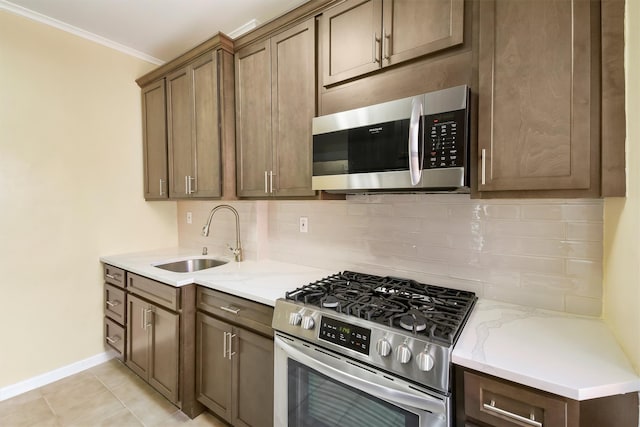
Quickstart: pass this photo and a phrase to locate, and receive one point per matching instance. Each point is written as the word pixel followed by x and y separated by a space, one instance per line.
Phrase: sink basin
pixel 191 265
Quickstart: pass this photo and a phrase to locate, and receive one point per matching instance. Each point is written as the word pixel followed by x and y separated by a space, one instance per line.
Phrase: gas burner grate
pixel 426 310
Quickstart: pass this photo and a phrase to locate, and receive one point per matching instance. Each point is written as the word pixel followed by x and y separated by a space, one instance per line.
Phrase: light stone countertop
pixel 573 356
pixel 260 281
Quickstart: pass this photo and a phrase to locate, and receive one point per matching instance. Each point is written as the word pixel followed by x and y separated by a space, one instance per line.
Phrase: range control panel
pixel 445 137
pixel 345 335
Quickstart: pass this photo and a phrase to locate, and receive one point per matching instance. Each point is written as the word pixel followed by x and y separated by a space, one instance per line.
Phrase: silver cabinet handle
pixel 483 160
pixel 415 162
pixel 376 40
pixel 186 184
pixel 193 188
pixel 492 408
pixel 224 344
pixel 113 303
pixel 113 340
pixel 271 181
pixel 145 323
pixel 230 309
pixel 110 276
pixel 386 45
pixel 266 188
pixel 161 187
pixel 231 337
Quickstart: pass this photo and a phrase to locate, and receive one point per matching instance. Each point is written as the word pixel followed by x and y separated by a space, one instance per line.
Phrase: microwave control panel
pixel 445 140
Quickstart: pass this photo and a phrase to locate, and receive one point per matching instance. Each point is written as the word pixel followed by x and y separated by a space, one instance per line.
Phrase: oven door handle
pixel 331 368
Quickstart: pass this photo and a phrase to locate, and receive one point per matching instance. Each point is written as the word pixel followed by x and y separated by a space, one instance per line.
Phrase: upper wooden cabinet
pixel 361 36
pixel 194 137
pixel 198 121
pixel 275 102
pixel 539 98
pixel 154 139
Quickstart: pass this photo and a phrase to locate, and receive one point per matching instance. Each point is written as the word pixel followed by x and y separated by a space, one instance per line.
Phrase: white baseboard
pixel 55 375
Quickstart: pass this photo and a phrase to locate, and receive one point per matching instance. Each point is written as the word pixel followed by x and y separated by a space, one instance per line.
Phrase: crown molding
pixel 35 16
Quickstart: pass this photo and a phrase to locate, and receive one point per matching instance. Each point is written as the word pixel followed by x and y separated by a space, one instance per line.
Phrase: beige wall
pixel 622 216
pixel 70 191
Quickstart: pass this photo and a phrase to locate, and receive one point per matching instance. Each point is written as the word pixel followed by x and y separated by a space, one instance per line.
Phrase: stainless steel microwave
pixel 419 143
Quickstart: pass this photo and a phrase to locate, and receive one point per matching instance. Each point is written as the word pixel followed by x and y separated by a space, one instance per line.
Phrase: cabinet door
pixel 138 351
pixel 253 119
pixel 351 40
pixel 213 367
pixel 179 122
pixel 535 106
pixel 164 341
pixel 293 89
pixel 253 382
pixel 415 28
pixel 154 140
pixel 206 147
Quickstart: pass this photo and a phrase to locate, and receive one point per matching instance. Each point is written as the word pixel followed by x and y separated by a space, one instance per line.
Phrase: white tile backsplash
pixel 541 253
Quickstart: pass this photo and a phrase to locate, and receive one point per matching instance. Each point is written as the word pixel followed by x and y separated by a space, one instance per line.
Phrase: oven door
pixel 318 388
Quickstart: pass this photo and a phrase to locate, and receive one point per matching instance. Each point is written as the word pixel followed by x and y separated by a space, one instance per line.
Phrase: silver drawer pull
pixel 491 407
pixel 110 276
pixel 113 340
pixel 113 303
pixel 231 309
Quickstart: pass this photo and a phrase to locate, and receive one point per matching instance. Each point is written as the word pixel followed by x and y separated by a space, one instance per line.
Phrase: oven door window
pixel 316 400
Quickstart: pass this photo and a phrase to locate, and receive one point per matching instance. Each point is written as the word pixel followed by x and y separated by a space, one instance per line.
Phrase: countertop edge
pixel 578 394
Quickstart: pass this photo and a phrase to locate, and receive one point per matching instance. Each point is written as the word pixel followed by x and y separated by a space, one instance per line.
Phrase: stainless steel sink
pixel 191 265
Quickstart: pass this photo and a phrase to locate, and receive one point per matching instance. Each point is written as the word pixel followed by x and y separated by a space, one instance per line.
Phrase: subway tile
pixel 583 305
pixel 564 212
pixel 588 269
pixel 523 263
pixel 517 295
pixel 585 231
pixel 565 284
pixel 546 229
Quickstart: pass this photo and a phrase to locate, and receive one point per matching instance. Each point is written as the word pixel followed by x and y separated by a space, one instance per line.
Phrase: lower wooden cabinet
pixel 153 344
pixel 234 367
pixel 484 400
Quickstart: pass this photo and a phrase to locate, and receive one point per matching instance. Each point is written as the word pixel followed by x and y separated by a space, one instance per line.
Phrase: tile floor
pixel 106 395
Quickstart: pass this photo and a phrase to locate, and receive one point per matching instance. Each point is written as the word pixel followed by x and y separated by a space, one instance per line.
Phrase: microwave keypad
pixel 445 141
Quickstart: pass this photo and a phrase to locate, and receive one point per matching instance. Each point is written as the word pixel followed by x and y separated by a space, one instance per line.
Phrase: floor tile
pixel 146 404
pixel 112 373
pixel 108 395
pixel 33 412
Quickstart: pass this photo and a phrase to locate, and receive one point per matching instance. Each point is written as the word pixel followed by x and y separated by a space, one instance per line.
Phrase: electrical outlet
pixel 189 217
pixel 304 224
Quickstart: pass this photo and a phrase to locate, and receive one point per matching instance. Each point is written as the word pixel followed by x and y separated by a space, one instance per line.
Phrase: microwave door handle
pixel 415 163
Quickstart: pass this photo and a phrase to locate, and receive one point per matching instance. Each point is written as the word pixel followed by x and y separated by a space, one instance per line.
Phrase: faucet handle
pixel 237 252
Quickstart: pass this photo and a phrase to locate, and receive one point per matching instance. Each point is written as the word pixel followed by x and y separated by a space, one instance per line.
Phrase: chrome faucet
pixel 237 251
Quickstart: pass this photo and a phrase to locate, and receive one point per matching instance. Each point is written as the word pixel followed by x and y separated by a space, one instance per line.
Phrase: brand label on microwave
pixel 375 130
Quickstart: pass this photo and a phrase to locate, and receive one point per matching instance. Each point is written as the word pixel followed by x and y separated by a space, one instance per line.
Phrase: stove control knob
pixel 403 353
pixel 295 319
pixel 307 322
pixel 383 347
pixel 424 361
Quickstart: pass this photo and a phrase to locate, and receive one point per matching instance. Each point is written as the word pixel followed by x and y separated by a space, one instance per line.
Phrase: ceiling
pixel 155 30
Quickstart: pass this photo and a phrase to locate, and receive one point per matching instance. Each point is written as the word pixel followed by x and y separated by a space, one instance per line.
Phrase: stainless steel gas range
pixel 356 350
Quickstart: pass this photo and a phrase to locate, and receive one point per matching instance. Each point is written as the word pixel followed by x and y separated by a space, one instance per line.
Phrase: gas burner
pixel 330 302
pixel 428 311
pixel 413 323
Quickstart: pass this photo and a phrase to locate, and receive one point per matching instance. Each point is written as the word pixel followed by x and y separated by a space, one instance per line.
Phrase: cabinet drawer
pixel 114 336
pixel 248 314
pixel 157 292
pixel 504 404
pixel 114 275
pixel 114 303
